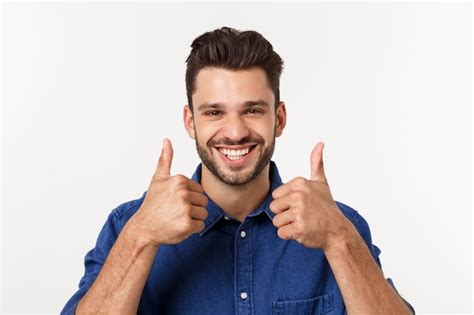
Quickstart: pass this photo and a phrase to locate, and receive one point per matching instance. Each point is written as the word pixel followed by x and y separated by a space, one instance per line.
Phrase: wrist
pixel 342 239
pixel 135 231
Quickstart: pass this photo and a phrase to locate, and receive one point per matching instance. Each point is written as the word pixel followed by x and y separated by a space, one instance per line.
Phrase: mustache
pixel 243 141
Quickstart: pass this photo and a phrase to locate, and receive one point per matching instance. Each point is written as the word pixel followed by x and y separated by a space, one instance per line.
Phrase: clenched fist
pixel 174 206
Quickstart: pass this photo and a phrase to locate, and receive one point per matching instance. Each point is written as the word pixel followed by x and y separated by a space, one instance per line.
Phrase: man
pixel 234 239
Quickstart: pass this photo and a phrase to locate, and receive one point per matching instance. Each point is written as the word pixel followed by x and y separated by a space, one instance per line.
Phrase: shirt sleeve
pixel 95 258
pixel 364 230
pixel 376 253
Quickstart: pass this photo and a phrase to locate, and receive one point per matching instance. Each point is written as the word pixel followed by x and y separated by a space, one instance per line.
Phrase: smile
pixel 236 153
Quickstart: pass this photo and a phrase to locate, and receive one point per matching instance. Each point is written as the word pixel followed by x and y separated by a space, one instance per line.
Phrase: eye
pixel 254 111
pixel 212 113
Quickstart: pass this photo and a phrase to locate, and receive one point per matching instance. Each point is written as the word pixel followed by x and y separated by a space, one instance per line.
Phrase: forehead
pixel 231 87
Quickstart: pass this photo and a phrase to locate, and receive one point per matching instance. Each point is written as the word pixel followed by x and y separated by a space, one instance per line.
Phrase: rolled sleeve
pixel 95 258
pixel 363 228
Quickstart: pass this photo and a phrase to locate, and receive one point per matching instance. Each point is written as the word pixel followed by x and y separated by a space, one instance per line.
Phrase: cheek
pixel 266 131
pixel 204 132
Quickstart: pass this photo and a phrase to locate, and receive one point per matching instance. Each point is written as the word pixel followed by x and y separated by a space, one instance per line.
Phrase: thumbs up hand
pixel 174 206
pixel 305 209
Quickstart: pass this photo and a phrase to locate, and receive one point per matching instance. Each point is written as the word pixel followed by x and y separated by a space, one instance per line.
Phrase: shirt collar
pixel 215 213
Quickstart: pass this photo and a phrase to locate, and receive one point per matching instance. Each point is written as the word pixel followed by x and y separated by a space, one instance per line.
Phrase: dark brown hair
pixel 233 49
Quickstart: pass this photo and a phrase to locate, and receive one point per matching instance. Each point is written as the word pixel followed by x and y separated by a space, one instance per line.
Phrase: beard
pixel 238 177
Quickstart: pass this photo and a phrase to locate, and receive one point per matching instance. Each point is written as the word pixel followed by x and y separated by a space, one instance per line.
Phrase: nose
pixel 235 128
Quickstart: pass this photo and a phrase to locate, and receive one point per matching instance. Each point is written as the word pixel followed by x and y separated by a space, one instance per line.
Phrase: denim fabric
pixel 230 267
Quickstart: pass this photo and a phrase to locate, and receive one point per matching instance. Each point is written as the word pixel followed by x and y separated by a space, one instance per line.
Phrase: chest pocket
pixel 322 304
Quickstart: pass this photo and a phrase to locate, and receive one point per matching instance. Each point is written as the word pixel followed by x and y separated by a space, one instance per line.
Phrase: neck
pixel 236 201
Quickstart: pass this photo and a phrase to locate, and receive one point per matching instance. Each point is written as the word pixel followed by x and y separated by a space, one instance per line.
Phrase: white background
pixel 90 91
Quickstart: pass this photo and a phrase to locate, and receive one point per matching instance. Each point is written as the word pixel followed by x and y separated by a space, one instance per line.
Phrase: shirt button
pixel 226 218
pixel 243 295
pixel 243 234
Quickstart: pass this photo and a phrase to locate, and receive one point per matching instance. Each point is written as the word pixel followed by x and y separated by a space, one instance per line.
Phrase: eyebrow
pixel 206 106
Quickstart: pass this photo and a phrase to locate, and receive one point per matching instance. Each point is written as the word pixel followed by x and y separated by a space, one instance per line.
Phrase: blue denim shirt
pixel 230 267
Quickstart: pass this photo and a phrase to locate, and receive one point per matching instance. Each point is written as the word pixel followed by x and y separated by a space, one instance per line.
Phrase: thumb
pixel 164 164
pixel 317 166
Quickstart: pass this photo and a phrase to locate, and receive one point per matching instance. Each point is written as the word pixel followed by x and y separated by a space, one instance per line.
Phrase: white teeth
pixel 234 153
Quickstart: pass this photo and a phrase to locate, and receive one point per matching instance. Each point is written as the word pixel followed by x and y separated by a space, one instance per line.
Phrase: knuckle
pixel 182 195
pixel 199 186
pixel 299 212
pixel 300 180
pixel 179 179
pixel 298 195
pixel 299 226
pixel 203 199
pixel 297 234
pixel 187 224
pixel 186 209
pixel 301 184
pixel 305 188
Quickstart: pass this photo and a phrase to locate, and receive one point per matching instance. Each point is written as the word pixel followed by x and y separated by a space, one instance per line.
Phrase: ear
pixel 280 119
pixel 188 121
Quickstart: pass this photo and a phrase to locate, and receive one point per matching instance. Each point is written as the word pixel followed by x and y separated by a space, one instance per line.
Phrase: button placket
pixel 243 276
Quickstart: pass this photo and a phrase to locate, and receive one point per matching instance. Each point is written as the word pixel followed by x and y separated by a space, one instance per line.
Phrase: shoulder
pixel 122 213
pixel 357 220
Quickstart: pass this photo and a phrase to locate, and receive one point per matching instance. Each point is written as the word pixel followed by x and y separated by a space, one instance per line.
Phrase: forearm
pixel 363 285
pixel 119 285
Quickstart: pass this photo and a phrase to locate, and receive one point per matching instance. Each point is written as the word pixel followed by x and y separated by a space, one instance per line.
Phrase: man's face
pixel 234 123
